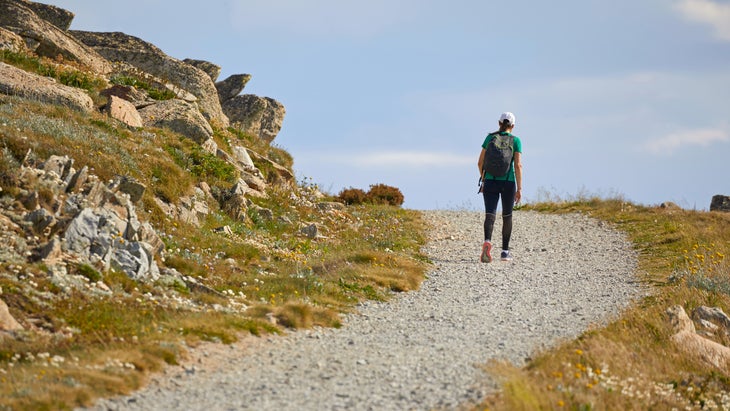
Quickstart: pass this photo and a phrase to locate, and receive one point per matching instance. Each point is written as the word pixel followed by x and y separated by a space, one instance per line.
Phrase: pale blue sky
pixel 622 97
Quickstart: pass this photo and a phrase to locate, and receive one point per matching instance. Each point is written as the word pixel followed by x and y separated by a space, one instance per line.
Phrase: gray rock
pixel 131 186
pixel 279 173
pixel 78 180
pixel 720 203
pixel 11 42
pixel 51 251
pixel 178 116
pixel 124 111
pixel 45 38
pixel 108 235
pixel 147 57
pixel 329 206
pixel 17 82
pixel 258 116
pixel 235 203
pixel 232 86
pixel 131 94
pixel 60 165
pixel 55 15
pixel 194 209
pixel 40 219
pixel 212 70
pixel 714 315
pixel 136 260
pixel 263 213
pixel 224 230
pixel 310 231
pixel 242 158
pixel 190 210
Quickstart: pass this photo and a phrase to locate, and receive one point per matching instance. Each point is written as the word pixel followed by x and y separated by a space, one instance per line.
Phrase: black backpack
pixel 498 155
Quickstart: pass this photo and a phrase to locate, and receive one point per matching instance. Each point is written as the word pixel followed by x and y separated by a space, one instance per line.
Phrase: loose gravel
pixel 423 350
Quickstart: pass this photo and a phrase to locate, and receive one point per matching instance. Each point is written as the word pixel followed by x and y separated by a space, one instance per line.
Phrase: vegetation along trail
pixel 424 350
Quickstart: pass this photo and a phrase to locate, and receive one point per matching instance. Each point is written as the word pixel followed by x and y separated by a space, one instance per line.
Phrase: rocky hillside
pixel 136 84
pixel 143 208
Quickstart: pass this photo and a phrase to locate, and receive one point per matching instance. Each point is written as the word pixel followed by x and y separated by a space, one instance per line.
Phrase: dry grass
pixel 264 278
pixel 631 364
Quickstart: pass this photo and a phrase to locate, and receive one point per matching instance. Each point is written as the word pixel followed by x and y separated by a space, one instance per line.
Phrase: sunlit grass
pixel 264 278
pixel 630 364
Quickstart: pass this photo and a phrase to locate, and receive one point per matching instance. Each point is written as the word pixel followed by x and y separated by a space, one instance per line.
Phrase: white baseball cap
pixel 507 116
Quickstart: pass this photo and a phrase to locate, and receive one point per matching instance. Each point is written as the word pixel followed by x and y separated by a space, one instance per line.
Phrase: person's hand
pixel 518 196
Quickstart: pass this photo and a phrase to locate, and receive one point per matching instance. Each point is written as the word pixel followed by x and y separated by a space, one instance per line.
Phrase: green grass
pixel 155 93
pixel 64 74
pixel 631 364
pixel 267 270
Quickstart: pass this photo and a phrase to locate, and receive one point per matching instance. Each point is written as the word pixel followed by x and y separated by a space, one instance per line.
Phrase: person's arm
pixel 480 163
pixel 518 176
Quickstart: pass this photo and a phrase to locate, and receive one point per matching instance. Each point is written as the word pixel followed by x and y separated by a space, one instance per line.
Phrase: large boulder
pixel 124 111
pixel 192 209
pixel 720 203
pixel 7 322
pixel 212 70
pixel 232 86
pixel 693 344
pixel 17 82
pixel 57 16
pixel 131 94
pixel 11 42
pixel 147 57
pixel 100 236
pixel 278 174
pixel 45 38
pixel 178 116
pixel 258 116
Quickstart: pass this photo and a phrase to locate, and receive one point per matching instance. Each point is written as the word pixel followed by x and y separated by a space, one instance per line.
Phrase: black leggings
pixel 493 190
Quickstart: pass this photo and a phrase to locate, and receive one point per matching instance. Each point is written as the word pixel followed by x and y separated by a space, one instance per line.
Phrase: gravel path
pixel 422 350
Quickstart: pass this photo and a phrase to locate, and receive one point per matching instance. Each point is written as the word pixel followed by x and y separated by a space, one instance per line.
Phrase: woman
pixel 507 185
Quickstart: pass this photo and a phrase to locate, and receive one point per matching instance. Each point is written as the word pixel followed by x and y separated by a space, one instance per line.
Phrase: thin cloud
pixel 398 159
pixel 712 13
pixel 672 142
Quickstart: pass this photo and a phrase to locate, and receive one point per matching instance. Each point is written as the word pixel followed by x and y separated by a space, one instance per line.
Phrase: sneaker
pixel 505 256
pixel 486 252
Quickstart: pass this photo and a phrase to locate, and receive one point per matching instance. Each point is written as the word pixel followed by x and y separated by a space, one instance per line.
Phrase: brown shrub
pixel 352 196
pixel 385 194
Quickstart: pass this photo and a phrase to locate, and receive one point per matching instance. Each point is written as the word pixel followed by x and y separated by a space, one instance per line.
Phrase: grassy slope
pixel 82 347
pixel 631 363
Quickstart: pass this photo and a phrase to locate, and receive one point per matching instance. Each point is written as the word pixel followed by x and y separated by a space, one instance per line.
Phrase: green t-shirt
pixel 517 149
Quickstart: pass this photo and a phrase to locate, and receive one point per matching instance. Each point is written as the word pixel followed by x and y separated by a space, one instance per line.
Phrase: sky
pixel 619 98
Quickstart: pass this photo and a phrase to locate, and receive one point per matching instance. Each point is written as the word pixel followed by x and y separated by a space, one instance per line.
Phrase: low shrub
pixel 352 196
pixel 385 194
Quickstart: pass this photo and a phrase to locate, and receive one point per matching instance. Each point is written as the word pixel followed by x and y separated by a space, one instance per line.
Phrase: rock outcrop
pixel 131 94
pixel 7 322
pixel 212 70
pixel 231 86
pixel 258 116
pixel 720 203
pixel 47 39
pixel 179 116
pixel 11 42
pixel 147 57
pixel 17 82
pixel 87 221
pixel 55 15
pixel 123 111
pixel 687 340
pixel 192 110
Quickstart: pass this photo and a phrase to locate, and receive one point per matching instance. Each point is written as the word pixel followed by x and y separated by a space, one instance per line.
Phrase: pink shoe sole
pixel 486 256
